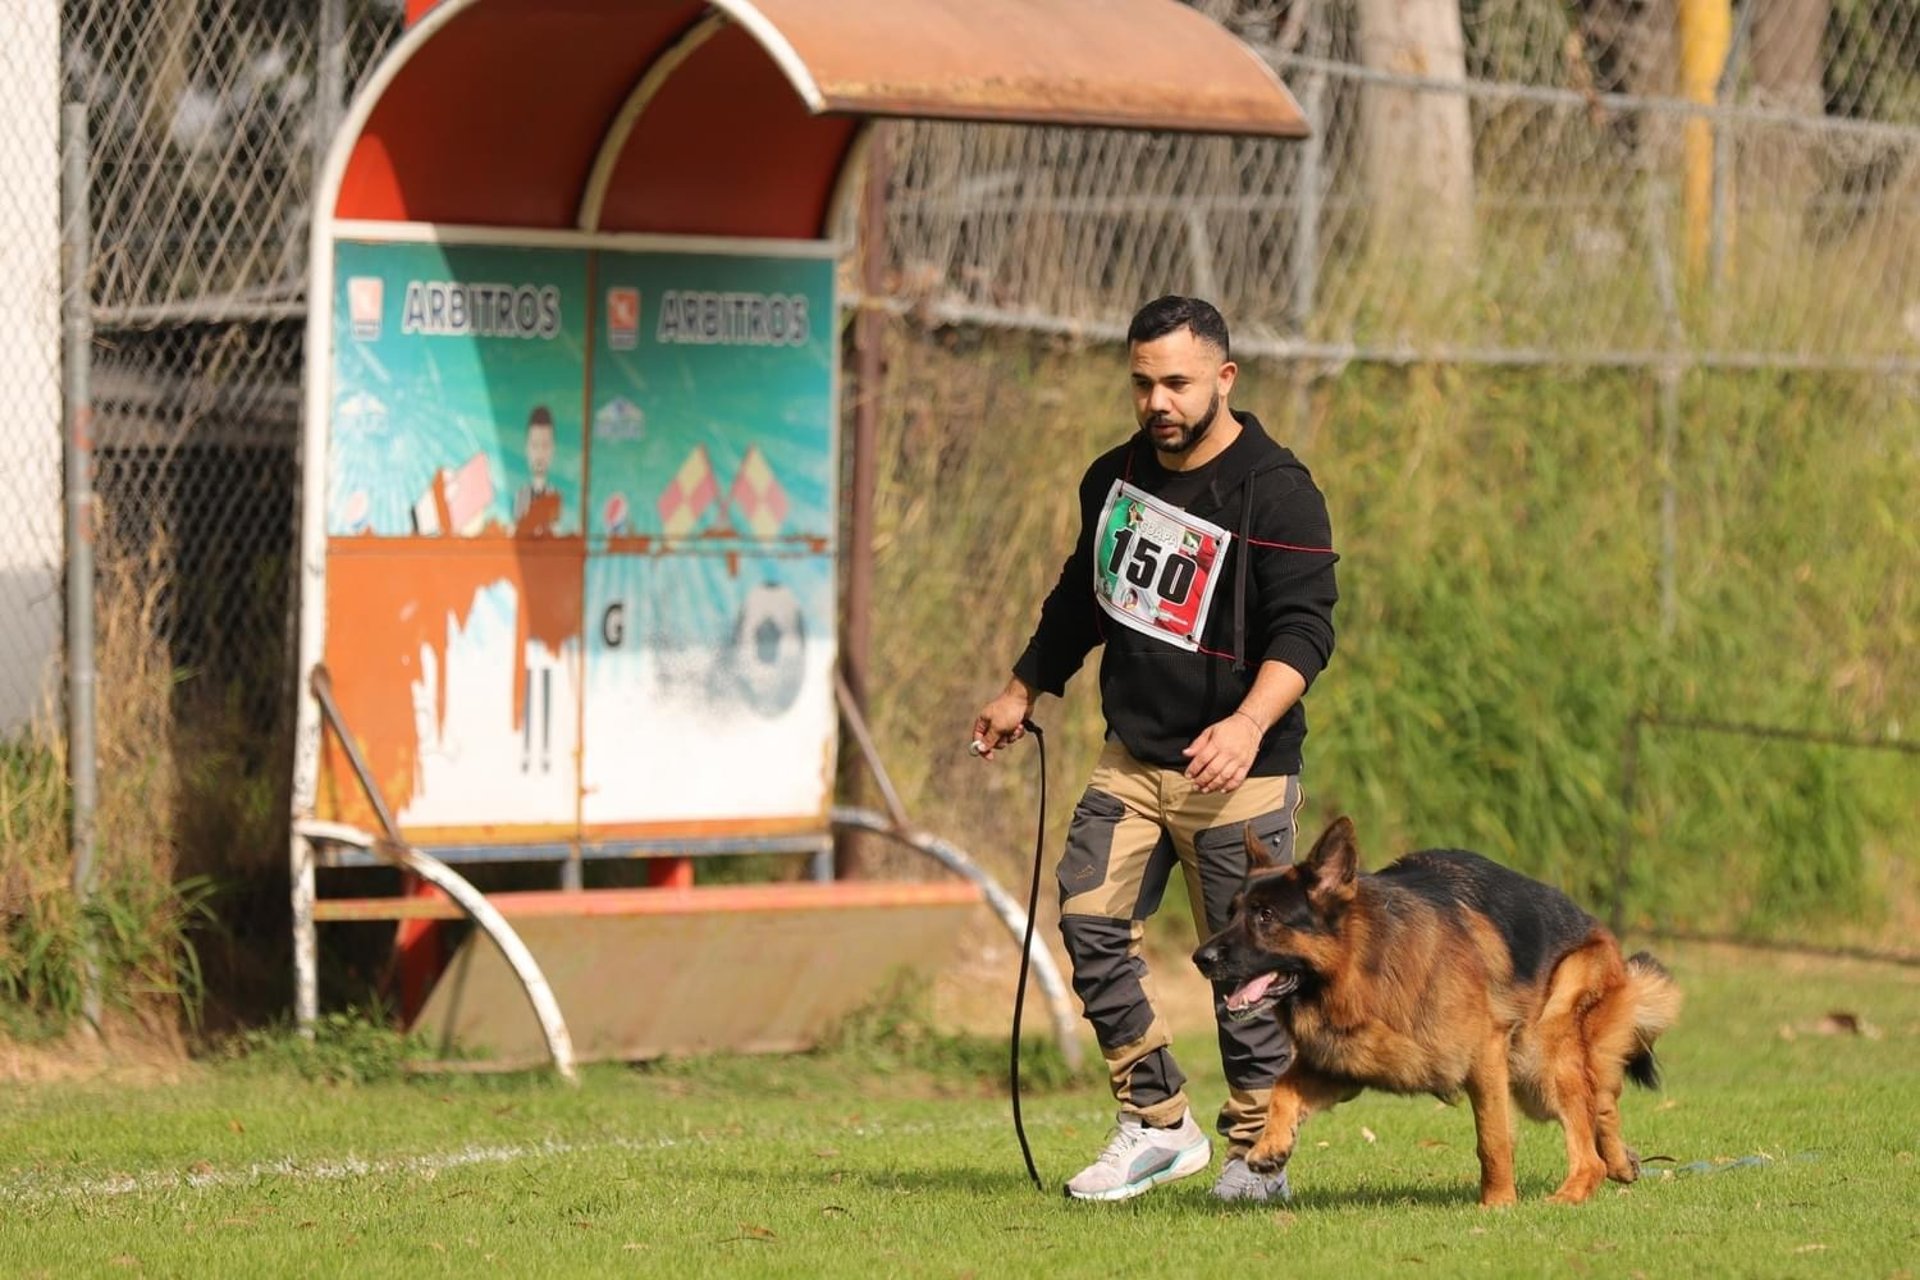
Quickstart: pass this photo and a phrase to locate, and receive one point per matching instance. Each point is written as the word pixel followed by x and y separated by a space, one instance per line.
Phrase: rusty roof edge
pixel 905 107
pixel 1299 126
pixel 1240 115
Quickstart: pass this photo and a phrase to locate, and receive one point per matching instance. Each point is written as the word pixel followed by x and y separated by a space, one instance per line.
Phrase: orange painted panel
pixel 456 663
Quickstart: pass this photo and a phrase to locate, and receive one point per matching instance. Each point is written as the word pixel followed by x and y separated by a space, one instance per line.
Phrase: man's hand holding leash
pixel 1002 721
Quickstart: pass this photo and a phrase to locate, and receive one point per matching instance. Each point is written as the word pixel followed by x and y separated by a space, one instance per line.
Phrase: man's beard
pixel 1190 435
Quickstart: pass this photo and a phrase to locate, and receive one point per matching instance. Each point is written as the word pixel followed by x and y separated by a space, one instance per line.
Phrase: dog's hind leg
pixel 1297 1094
pixel 1488 1090
pixel 1583 1002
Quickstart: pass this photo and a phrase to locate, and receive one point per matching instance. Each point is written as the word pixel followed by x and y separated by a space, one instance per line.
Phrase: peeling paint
pixel 392 600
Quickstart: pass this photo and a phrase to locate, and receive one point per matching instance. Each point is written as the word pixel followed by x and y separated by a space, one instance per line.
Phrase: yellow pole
pixel 1706 32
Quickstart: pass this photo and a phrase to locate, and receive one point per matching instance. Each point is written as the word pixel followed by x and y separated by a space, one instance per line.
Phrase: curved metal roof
pixel 1133 64
pixel 736 117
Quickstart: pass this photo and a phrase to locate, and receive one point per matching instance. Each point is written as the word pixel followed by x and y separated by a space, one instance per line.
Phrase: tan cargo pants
pixel 1135 822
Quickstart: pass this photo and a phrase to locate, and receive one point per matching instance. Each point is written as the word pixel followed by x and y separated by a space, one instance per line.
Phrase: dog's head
pixel 1286 923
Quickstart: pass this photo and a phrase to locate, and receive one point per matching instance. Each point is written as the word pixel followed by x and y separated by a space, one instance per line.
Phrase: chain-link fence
pixel 1498 180
pixel 1503 180
pixel 1657 183
pixel 207 120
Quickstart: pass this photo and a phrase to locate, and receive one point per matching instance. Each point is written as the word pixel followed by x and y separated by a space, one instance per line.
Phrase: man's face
pixel 539 452
pixel 1179 384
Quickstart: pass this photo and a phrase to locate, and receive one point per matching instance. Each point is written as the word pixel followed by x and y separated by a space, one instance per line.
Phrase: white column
pixel 30 431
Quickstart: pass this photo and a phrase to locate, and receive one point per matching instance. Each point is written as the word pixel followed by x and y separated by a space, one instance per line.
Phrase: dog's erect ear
pixel 1334 862
pixel 1259 857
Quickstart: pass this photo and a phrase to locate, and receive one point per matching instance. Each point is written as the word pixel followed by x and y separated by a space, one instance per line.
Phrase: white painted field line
pixel 28 1188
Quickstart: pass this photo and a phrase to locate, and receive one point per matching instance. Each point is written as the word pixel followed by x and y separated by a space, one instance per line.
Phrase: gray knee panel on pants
pixel 1107 974
pixel 1107 977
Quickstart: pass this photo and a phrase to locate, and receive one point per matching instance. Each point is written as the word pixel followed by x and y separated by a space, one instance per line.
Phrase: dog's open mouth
pixel 1258 993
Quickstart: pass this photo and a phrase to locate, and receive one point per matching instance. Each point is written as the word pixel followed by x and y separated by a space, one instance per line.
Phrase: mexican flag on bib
pixel 1153 566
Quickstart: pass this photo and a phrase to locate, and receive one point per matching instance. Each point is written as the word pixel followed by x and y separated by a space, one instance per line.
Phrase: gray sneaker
pixel 1238 1182
pixel 1138 1159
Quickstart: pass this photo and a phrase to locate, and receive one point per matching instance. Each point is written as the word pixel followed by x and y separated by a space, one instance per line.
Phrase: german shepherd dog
pixel 1443 973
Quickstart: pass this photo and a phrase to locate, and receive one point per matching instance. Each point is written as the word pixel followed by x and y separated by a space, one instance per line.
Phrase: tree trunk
pixel 1418 143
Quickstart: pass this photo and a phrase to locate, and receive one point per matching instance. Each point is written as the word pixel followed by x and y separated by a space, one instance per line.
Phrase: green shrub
pixel 346 1047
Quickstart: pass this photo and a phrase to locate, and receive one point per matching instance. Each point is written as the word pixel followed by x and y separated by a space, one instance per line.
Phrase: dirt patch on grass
pixel 129 1050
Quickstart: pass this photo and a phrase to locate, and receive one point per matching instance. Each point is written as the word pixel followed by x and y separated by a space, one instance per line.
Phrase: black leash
pixel 1026 952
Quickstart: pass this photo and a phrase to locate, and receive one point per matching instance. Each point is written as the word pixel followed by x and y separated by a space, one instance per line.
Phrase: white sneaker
pixel 1138 1159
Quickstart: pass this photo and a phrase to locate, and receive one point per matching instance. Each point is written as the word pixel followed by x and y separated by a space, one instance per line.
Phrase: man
pixel 1205 566
pixel 536 506
pixel 536 511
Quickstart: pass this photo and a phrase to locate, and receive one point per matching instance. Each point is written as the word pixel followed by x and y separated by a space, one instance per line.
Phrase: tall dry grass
pixel 138 922
pixel 1499 623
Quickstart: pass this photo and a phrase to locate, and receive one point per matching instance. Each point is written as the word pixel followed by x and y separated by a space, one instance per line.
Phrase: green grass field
pixel 1792 1152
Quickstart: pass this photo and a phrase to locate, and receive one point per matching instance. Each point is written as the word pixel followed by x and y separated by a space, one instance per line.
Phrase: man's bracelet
pixel 1250 720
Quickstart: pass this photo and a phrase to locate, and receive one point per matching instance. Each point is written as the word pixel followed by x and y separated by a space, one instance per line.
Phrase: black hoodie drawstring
pixel 1240 576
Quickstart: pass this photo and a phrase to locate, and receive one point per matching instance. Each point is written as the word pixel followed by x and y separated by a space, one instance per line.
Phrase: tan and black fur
pixel 1445 973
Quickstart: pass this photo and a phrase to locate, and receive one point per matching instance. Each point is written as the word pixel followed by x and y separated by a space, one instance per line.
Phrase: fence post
pixel 1623 840
pixel 869 335
pixel 330 87
pixel 1705 30
pixel 1206 280
pixel 76 251
pixel 1668 377
pixel 1306 226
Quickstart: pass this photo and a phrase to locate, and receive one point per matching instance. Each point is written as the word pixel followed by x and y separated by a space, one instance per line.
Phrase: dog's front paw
pixel 1268 1157
pixel 1625 1167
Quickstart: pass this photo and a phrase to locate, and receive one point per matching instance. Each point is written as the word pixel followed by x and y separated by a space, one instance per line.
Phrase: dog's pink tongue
pixel 1252 991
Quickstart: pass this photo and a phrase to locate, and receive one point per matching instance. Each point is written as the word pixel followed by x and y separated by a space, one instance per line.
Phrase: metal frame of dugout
pixel 573 357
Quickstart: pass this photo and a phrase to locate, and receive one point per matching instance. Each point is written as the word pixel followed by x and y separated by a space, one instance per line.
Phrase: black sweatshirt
pixel 1273 600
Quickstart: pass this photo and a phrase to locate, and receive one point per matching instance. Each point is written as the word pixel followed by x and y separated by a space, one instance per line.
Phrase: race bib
pixel 1153 566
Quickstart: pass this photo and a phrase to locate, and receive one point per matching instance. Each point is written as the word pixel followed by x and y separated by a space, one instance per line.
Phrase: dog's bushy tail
pixel 1655 999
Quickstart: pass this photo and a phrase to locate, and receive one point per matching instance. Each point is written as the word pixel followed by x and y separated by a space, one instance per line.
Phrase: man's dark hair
pixel 540 417
pixel 1166 315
